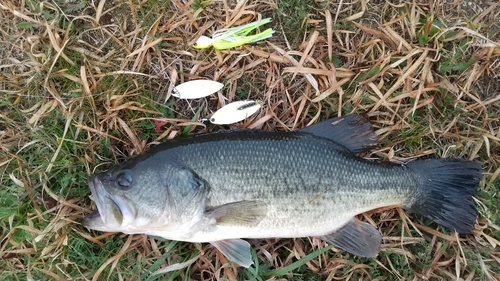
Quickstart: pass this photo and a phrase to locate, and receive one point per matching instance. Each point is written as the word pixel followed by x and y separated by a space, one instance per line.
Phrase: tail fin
pixel 445 190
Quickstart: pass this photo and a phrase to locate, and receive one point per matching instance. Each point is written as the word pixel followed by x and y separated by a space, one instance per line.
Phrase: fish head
pixel 146 197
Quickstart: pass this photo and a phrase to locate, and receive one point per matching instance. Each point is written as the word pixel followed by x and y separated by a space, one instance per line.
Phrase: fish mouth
pixel 94 221
pixel 112 210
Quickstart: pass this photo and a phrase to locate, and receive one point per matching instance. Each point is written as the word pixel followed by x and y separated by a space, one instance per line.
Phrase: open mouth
pixel 113 211
pixel 94 221
pixel 100 219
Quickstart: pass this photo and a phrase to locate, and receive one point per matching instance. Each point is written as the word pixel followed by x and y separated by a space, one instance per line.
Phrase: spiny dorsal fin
pixel 248 213
pixel 356 237
pixel 352 131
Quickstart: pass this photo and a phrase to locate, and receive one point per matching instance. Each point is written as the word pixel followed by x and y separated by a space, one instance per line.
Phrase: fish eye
pixel 124 179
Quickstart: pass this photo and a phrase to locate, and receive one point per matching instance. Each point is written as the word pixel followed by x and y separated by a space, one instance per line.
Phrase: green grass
pixel 293 13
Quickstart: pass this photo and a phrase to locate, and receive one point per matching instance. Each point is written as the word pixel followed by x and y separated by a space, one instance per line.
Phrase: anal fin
pixel 356 237
pixel 236 250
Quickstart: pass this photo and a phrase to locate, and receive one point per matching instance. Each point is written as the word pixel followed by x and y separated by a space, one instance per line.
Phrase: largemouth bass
pixel 221 187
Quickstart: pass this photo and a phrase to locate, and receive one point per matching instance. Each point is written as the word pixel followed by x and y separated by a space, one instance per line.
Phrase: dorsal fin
pixel 352 131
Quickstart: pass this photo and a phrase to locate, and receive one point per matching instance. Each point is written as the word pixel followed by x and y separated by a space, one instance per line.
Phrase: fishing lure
pixel 234 36
pixel 235 112
pixel 196 89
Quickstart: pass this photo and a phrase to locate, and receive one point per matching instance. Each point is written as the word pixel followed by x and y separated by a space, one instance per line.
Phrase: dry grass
pixel 85 84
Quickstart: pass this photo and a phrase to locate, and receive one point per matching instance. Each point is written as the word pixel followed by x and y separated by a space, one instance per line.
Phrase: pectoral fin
pixel 247 213
pixel 356 237
pixel 236 250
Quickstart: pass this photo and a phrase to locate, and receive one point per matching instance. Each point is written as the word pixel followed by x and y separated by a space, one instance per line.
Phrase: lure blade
pixel 235 112
pixel 196 89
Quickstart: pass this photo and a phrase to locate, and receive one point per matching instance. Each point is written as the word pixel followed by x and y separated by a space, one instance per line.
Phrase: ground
pixel 87 84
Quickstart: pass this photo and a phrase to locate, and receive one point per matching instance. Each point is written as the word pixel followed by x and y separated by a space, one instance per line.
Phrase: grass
pixel 85 85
